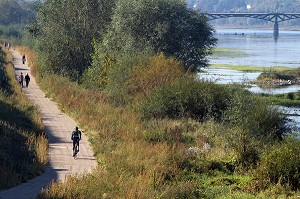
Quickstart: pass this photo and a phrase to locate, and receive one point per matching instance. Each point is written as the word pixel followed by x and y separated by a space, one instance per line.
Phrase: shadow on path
pixel 58 128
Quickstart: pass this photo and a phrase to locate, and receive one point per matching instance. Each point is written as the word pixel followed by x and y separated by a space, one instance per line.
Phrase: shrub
pixel 290 96
pixel 187 97
pixel 119 74
pixel 158 71
pixel 253 126
pixel 275 76
pixel 96 77
pixel 282 164
pixel 255 116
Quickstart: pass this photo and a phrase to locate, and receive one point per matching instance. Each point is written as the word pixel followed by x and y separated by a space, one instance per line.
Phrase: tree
pixel 67 29
pixel 231 6
pixel 160 26
pixel 12 12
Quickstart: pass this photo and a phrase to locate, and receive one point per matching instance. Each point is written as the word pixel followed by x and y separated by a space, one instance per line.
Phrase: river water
pixel 254 48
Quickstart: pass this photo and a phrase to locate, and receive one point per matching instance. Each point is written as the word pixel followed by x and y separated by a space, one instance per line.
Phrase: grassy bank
pixel 287 74
pixel 228 52
pixel 171 158
pixel 235 53
pixel 287 99
pixel 249 68
pixel 23 146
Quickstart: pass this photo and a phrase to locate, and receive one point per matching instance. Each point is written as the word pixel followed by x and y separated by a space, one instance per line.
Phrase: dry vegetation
pixel 23 146
pixel 151 159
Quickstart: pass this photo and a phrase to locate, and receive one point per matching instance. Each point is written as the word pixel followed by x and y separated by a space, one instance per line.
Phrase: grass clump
pixel 23 146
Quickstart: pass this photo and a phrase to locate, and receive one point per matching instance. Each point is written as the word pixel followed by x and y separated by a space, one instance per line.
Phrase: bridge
pixel 272 17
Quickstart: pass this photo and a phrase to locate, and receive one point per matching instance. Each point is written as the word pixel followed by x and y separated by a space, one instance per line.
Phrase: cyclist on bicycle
pixel 76 136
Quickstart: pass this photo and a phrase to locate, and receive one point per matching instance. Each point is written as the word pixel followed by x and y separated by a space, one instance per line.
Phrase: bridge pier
pixel 276 28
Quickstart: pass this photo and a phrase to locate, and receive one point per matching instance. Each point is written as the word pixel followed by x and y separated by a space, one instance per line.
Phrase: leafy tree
pixel 160 26
pixel 229 5
pixel 12 12
pixel 67 29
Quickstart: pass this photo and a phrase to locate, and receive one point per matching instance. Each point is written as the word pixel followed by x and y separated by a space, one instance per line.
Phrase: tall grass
pixel 23 146
pixel 146 159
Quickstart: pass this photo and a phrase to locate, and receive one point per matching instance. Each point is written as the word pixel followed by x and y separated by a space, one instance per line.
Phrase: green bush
pixel 297 95
pixel 251 114
pixel 96 76
pixel 282 164
pixel 254 125
pixel 290 96
pixel 158 71
pixel 275 76
pixel 187 97
pixel 120 73
pixel 12 30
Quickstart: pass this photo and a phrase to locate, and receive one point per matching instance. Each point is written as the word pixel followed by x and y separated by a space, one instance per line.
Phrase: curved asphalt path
pixel 58 127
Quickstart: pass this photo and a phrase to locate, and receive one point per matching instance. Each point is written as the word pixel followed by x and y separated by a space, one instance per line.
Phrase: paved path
pixel 58 127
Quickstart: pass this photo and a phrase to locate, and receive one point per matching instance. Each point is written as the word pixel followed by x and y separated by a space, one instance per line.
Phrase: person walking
pixel 21 79
pixel 23 59
pixel 27 80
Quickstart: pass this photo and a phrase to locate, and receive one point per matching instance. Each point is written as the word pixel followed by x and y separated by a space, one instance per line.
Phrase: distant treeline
pixel 16 12
pixel 14 16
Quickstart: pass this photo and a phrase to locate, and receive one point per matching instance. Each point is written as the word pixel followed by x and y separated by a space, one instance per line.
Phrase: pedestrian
pixel 27 80
pixel 8 46
pixel 21 79
pixel 23 59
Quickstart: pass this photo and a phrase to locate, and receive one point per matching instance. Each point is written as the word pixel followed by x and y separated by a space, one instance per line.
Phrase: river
pixel 254 48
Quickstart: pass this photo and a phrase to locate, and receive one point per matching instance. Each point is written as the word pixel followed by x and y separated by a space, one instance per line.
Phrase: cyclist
pixel 76 136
